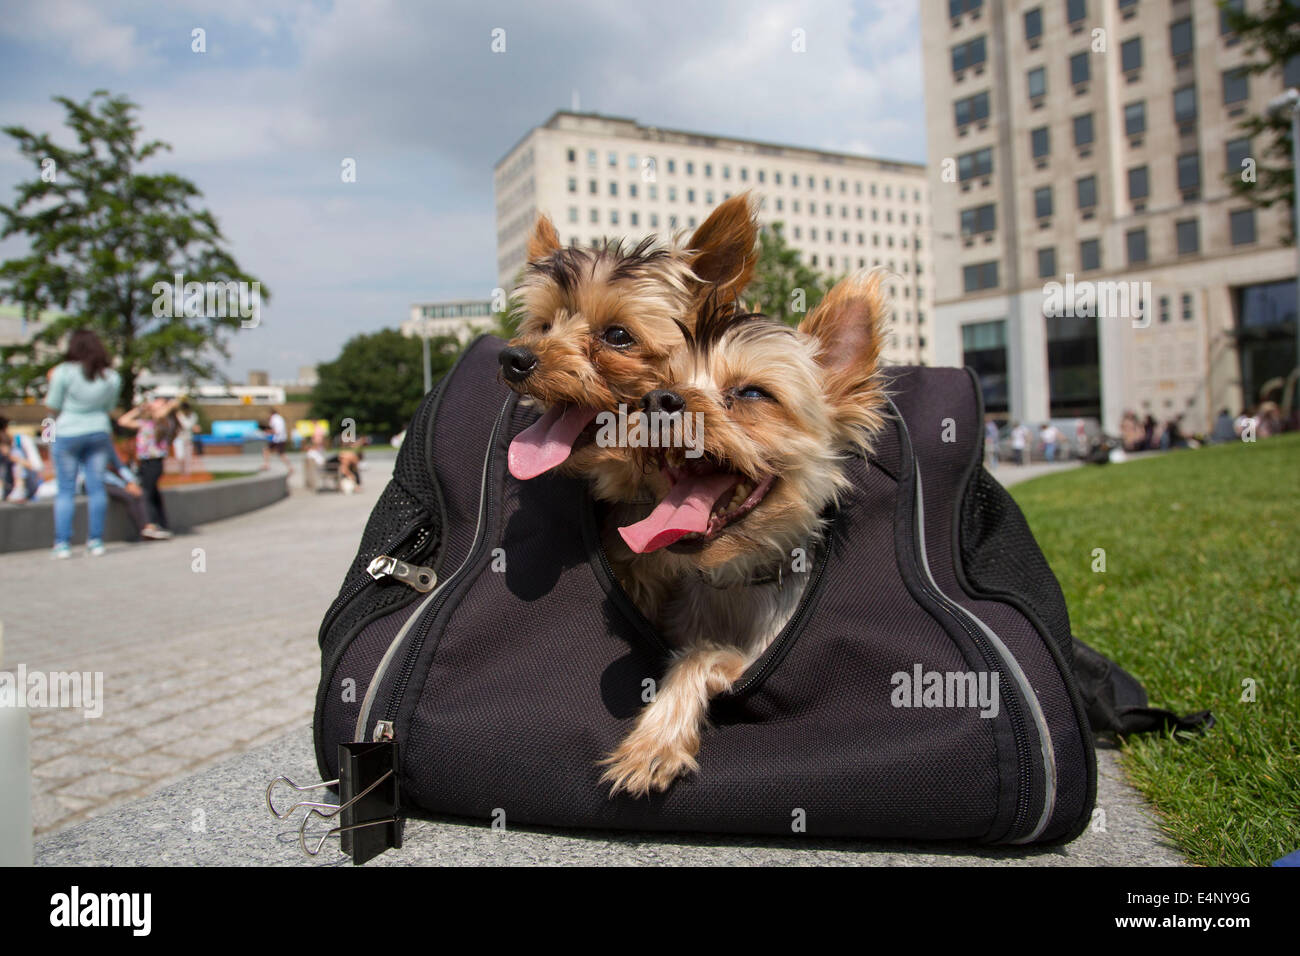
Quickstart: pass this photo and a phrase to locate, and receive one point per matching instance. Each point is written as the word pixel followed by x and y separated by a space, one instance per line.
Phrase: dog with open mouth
pixel 782 409
pixel 599 328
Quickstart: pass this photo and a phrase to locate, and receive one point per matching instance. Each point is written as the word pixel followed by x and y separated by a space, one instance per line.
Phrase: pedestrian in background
pixel 83 388
pixel 154 427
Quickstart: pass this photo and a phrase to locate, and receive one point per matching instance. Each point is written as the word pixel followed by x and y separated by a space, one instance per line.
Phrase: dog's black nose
pixel 663 400
pixel 517 362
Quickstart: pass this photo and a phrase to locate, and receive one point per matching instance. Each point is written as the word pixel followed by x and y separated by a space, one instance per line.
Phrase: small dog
pixel 782 409
pixel 599 328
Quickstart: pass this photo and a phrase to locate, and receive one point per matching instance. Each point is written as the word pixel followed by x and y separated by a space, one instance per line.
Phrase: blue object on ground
pixel 1291 859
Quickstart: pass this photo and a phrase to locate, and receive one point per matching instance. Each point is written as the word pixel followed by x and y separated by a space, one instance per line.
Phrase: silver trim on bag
pixel 1012 665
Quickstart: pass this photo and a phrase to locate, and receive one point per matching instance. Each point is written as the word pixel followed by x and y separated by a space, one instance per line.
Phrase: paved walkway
pixel 197 665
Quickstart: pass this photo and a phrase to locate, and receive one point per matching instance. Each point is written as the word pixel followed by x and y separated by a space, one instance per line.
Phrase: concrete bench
pixel 218 817
pixel 30 525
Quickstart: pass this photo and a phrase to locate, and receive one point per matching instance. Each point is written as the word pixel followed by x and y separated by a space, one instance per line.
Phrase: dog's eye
pixel 618 337
pixel 546 327
pixel 753 393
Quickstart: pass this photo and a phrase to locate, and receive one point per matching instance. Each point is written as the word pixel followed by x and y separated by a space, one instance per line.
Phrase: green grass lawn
pixel 1201 592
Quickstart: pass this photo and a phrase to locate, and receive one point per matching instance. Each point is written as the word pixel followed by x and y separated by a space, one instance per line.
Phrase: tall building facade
pixel 599 176
pixel 1097 259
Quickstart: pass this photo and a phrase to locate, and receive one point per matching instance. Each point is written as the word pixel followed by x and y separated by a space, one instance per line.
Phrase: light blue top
pixel 83 406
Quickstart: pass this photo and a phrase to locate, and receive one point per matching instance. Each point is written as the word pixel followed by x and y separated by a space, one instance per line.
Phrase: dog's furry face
pixel 599 329
pixel 780 409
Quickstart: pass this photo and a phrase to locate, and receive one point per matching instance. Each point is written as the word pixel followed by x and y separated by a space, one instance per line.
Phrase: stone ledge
pixel 218 817
pixel 30 525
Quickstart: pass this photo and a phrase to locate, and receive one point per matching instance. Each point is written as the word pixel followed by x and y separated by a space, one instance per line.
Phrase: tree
pixel 1274 32
pixel 106 242
pixel 783 286
pixel 378 380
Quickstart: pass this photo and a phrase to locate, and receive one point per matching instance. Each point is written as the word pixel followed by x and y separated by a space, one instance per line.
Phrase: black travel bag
pixel 481 628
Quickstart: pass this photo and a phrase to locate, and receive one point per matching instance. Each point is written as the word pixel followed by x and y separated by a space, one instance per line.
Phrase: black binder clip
pixel 369 807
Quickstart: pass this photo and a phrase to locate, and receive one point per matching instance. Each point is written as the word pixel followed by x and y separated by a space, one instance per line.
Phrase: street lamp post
pixel 1289 102
pixel 424 340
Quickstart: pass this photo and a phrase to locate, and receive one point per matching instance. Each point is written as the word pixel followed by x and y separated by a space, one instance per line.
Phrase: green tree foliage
pixel 783 286
pixel 378 381
pixel 101 234
pixel 1271 37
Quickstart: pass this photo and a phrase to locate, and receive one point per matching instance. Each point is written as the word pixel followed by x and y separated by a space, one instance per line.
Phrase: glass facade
pixel 984 349
pixel 1073 367
pixel 1266 334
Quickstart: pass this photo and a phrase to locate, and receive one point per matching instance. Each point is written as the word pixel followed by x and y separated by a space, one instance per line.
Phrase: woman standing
pixel 154 430
pixel 83 388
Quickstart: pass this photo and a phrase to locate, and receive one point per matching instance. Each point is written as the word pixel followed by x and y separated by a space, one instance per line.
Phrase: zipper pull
pixel 383 731
pixel 417 576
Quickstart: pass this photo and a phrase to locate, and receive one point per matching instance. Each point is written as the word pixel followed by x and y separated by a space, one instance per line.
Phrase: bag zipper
pixel 772 655
pixel 422 618
pixel 996 653
pixel 400 551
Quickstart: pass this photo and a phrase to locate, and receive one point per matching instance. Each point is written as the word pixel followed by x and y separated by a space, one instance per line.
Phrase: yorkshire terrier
pixel 599 328
pixel 782 410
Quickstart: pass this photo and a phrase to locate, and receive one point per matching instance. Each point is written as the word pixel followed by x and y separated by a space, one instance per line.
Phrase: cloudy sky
pixel 413 92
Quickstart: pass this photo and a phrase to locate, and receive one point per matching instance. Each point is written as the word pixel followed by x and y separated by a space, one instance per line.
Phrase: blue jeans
pixel 89 452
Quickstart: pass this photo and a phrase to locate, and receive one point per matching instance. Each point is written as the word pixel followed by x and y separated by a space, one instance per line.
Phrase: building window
pixel 1033 24
pixel 1238 153
pixel 1075 10
pixel 726 172
pixel 1083 130
pixel 573 184
pixel 593 188
pixel 970 110
pixel 1135 118
pixel 977 163
pixel 1040 142
pixel 573 214
pixel 1185 104
pixel 1080 69
pixel 573 155
pixel 1037 82
pixel 1043 202
pixel 1164 310
pixel 613 189
pixel 613 159
pixel 776 178
pixel 708 170
pixel 1138 187
pixel 1236 86
pixel 672 194
pixel 981 275
pixel 1189 172
pixel 595 217
pixel 1086 188
pixel 631 190
pixel 1135 240
pixel 1046 263
pixel 1225 26
pixel 613 217
pixel 957 7
pixel 980 219
pixel 1187 306
pixel 1090 254
pixel 1130 55
pixel 591 158
pixel 1180 37
pixel 1291 72
pixel 1241 224
pixel 1189 236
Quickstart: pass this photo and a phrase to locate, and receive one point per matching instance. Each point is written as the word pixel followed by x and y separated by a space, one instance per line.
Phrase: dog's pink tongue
pixel 548 441
pixel 685 509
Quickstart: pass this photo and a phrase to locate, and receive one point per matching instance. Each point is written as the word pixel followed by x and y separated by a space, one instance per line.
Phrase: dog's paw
pixel 643 763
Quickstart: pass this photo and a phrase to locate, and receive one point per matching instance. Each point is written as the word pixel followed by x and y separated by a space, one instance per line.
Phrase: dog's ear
pixel 544 240
pixel 722 249
pixel 849 328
